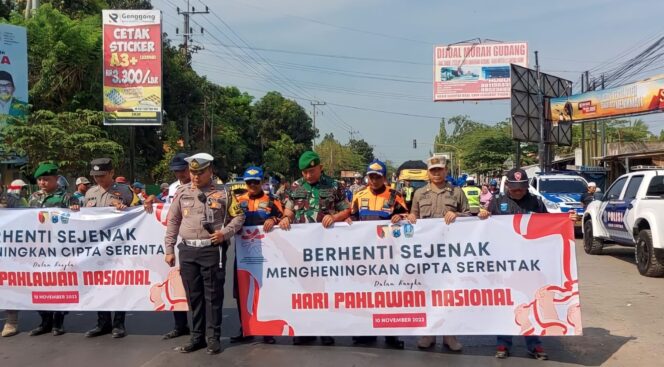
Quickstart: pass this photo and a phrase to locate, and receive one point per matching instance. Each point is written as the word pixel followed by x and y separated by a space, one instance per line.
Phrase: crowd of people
pixel 204 215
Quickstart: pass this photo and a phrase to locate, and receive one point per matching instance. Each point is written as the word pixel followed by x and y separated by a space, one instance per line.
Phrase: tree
pixel 71 139
pixel 276 157
pixel 363 149
pixel 336 157
pixel 441 137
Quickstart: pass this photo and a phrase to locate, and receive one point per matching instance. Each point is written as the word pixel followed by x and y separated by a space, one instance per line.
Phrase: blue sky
pixel 379 54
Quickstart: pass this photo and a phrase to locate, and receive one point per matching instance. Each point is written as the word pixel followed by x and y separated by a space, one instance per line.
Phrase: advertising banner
pixel 94 259
pixel 511 275
pixel 13 73
pixel 132 67
pixel 475 71
pixel 646 96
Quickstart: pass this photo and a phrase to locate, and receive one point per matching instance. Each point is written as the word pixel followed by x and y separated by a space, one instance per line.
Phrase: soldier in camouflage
pixel 314 198
pixel 50 195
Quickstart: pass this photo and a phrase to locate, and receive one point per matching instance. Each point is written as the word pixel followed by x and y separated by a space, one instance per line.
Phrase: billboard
pixel 475 71
pixel 646 96
pixel 13 73
pixel 132 67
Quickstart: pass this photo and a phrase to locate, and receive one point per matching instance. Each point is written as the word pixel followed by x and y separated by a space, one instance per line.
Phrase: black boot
pixel 46 324
pixel 58 323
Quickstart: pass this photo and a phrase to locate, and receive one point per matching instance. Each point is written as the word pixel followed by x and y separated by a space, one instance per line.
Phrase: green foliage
pixel 363 149
pixel 71 139
pixel 336 157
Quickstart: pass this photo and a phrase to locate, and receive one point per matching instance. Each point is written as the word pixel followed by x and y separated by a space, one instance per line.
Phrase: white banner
pixel 95 259
pixel 513 275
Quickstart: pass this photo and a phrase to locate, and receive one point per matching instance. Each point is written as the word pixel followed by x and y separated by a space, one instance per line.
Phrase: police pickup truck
pixel 631 213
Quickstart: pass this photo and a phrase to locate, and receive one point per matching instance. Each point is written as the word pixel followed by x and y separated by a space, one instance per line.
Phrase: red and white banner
pixel 509 275
pixel 95 259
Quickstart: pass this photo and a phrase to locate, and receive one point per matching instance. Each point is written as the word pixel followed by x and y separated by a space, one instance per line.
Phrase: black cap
pixel 100 166
pixel 517 178
pixel 178 163
pixel 6 76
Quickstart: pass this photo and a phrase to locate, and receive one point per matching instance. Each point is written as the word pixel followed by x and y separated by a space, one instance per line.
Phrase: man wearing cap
pixel 163 192
pixel 50 195
pixel 82 186
pixel 107 192
pixel 260 209
pixel 378 202
pixel 439 199
pixel 15 198
pixel 204 215
pixel 357 183
pixel 180 169
pixel 314 198
pixel 517 200
pixel 9 105
pixel 472 193
pixel 139 190
pixel 589 196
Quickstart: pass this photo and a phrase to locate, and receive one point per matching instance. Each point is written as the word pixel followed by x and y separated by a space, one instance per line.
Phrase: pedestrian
pixel 378 202
pixel 284 188
pixel 204 215
pixel 493 187
pixel 14 198
pixel 50 195
pixel 180 168
pixel 439 199
pixel 357 183
pixel 107 192
pixel 163 192
pixel 82 186
pixel 517 200
pixel 139 190
pixel 485 196
pixel 589 196
pixel 260 209
pixel 307 205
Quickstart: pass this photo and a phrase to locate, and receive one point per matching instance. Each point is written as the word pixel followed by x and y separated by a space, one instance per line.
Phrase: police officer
pixel 378 202
pixel 180 169
pixel 50 195
pixel 107 192
pixel 204 215
pixel 260 209
pixel 517 200
pixel 439 199
pixel 314 198
pixel 472 193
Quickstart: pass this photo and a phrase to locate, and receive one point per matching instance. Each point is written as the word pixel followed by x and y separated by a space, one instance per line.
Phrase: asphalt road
pixel 622 315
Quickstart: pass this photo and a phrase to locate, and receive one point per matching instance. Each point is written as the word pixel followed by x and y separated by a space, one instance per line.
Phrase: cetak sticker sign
pixel 132 67
pixel 475 71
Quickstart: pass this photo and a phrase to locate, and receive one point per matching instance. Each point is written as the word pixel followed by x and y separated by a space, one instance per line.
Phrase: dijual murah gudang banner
pixel 635 98
pixel 94 259
pixel 512 275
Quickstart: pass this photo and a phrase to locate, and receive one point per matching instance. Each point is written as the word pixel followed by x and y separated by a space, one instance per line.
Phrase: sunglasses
pixel 252 182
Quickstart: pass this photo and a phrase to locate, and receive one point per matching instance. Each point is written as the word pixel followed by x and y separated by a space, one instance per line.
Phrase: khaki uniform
pixel 202 264
pixel 431 202
pixel 96 196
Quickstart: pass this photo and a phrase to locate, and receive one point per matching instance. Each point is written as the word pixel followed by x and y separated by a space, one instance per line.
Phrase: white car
pixel 631 213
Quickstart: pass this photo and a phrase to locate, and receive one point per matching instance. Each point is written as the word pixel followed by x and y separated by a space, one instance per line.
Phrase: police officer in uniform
pixel 180 169
pixel 260 209
pixel 107 193
pixel 517 200
pixel 50 195
pixel 439 199
pixel 204 215
pixel 378 202
pixel 314 198
pixel 472 193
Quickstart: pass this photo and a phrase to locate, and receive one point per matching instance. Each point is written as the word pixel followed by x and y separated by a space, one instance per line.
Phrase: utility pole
pixel 187 50
pixel 543 158
pixel 314 104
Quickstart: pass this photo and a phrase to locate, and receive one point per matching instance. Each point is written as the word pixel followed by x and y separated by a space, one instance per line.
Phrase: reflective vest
pixel 473 195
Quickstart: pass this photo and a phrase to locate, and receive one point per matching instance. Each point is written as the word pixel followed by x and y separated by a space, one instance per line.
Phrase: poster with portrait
pixel 13 73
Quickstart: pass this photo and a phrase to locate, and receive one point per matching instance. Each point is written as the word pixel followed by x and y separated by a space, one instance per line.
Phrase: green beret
pixel 46 169
pixel 309 159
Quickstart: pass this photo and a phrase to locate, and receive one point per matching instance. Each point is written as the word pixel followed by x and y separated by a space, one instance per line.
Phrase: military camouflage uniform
pixel 57 199
pixel 311 203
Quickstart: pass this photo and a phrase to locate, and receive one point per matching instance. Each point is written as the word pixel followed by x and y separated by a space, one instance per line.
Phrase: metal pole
pixel 132 152
pixel 314 104
pixel 517 155
pixel 540 100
